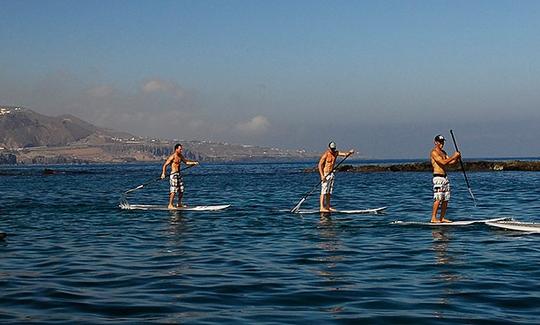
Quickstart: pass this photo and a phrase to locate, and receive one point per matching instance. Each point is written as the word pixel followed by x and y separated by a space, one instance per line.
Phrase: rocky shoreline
pixel 470 166
pixel 145 151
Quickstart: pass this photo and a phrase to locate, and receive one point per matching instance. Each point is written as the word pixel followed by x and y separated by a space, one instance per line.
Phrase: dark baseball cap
pixel 440 138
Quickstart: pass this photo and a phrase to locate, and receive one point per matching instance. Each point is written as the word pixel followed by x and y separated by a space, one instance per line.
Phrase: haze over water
pixel 72 256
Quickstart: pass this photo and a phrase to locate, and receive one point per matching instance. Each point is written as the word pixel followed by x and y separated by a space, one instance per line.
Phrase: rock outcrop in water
pixel 476 166
pixel 8 159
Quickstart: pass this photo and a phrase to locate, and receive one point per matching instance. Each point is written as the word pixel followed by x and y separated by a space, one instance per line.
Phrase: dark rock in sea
pixel 8 159
pixel 477 166
pixel 49 171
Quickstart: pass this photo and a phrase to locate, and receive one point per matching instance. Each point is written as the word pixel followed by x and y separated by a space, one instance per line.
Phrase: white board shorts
pixel 176 183
pixel 441 188
pixel 327 186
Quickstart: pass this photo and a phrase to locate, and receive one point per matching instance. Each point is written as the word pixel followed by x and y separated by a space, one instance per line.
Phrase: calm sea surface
pixel 72 256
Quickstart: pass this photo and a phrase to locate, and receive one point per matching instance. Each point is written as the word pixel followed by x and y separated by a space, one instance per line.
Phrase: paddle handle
pixel 460 161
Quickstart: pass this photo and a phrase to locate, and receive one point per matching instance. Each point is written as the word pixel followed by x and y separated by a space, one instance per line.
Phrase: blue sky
pixel 382 77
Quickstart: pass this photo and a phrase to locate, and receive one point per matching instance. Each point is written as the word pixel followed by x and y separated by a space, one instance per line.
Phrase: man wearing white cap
pixel 441 186
pixel 326 172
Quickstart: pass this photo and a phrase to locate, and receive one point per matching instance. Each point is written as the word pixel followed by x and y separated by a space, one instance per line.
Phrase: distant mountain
pixel 22 127
pixel 31 138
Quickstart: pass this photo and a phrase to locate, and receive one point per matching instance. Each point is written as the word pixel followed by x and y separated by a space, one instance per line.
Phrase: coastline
pixel 425 166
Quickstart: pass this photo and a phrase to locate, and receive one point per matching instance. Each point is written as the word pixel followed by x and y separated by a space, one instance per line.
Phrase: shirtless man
pixel 326 166
pixel 175 179
pixel 441 185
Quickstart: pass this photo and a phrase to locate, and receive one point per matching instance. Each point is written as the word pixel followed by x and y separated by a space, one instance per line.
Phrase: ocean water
pixel 72 256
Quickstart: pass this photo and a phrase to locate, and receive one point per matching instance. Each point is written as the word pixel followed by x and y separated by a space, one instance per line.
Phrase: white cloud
pixel 161 86
pixel 257 125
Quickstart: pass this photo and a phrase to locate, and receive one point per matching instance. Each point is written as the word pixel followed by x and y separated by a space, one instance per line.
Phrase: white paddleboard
pixel 364 211
pixel 448 224
pixel 516 225
pixel 165 208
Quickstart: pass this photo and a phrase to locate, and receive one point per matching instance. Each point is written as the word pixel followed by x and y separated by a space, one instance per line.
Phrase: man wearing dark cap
pixel 326 168
pixel 441 186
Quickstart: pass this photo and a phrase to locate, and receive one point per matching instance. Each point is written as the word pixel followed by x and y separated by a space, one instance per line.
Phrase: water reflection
pixel 329 241
pixel 445 261
pixel 177 224
pixel 331 247
pixel 440 246
pixel 177 229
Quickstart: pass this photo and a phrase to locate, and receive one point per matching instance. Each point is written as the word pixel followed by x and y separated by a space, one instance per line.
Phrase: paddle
pixel 143 185
pixel 150 181
pixel 463 168
pixel 304 198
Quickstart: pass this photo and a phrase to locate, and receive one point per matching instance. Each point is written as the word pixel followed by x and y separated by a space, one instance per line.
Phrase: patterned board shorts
pixel 441 188
pixel 176 183
pixel 327 187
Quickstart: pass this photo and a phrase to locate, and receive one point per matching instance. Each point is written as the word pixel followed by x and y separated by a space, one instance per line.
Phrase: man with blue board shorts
pixel 326 172
pixel 175 178
pixel 441 185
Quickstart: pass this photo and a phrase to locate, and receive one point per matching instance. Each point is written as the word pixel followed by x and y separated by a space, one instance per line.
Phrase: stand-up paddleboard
pixel 448 224
pixel 165 208
pixel 516 225
pixel 364 211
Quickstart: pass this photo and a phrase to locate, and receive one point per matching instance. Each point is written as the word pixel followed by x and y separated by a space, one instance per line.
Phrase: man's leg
pixel 321 202
pixel 328 207
pixel 444 205
pixel 434 211
pixel 171 200
pixel 324 201
pixel 330 191
pixel 180 196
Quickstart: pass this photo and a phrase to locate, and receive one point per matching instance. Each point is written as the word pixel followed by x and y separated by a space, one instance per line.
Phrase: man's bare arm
pixel 167 163
pixel 322 161
pixel 188 162
pixel 346 153
pixel 455 158
pixel 445 160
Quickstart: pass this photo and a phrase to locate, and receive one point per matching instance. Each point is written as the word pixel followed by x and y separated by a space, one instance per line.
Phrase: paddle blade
pixel 472 195
pixel 134 189
pixel 297 207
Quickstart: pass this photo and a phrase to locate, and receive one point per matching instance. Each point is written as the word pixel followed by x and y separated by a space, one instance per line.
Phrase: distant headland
pixel 27 137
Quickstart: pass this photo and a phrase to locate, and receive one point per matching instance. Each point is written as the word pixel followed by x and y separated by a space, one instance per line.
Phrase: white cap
pixel 332 145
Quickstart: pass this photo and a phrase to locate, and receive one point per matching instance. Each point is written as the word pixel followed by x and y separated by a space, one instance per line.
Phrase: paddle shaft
pixel 319 183
pixel 463 168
